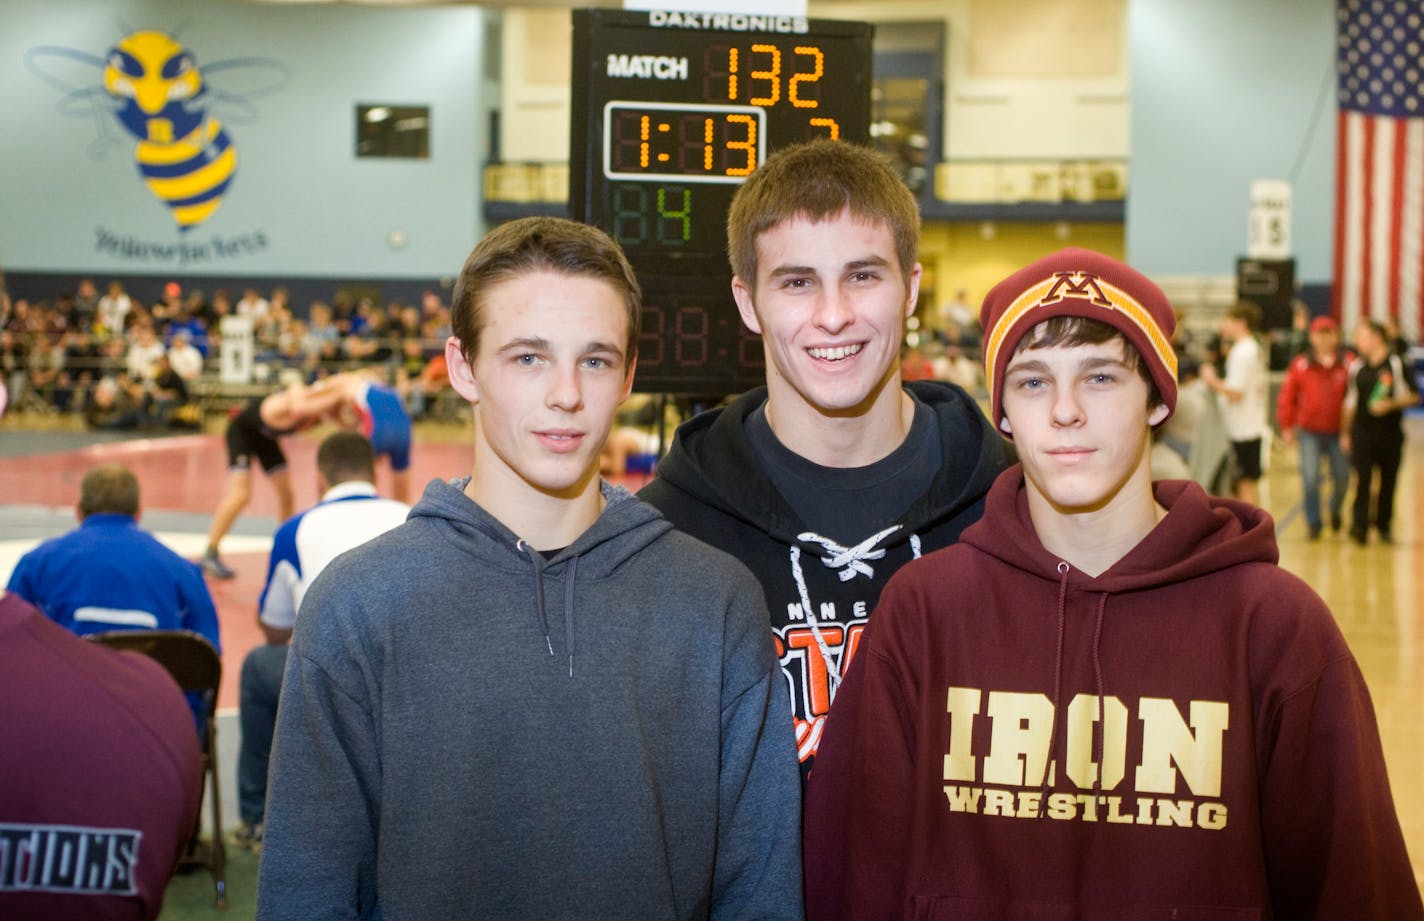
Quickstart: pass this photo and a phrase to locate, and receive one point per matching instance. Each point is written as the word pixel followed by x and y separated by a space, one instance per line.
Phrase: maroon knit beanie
pixel 1079 283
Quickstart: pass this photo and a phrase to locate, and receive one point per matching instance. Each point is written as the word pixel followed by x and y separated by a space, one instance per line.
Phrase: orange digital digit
pixel 813 77
pixel 747 145
pixel 772 75
pixel 719 74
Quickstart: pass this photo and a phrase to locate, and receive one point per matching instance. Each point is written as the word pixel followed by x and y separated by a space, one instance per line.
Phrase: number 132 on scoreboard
pixel 694 142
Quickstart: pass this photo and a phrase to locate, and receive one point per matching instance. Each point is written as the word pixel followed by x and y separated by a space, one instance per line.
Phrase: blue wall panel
pixel 1224 93
pixel 283 83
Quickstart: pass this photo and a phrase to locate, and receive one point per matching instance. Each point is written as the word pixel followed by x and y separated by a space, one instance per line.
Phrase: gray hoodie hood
pixel 625 527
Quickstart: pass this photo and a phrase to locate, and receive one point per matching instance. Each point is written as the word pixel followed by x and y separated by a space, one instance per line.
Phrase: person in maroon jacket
pixel 100 775
pixel 1308 411
pixel 1107 701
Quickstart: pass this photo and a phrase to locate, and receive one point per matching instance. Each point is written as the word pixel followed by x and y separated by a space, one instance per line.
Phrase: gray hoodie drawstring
pixel 569 577
pixel 538 562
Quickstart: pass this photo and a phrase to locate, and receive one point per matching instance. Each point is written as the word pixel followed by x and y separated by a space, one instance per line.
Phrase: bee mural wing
pixel 234 83
pixel 73 72
pixel 76 75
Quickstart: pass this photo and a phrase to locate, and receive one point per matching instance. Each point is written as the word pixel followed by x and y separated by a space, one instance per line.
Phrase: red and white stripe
pixel 1379 221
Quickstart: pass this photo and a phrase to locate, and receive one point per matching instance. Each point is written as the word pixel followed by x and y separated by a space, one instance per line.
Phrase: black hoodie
pixel 712 486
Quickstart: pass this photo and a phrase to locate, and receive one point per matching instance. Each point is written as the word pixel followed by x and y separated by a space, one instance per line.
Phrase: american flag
pixel 1379 164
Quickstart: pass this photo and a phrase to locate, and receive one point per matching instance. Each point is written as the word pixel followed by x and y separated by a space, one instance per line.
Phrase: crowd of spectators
pixel 122 363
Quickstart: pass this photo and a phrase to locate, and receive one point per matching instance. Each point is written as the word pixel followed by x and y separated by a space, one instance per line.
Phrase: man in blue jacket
pixel 109 574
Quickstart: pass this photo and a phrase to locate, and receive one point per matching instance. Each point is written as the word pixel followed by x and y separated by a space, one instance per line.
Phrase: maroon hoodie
pixel 100 775
pixel 1242 772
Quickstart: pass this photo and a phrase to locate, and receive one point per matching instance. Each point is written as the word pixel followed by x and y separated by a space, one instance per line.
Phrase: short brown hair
pixel 111 489
pixel 345 456
pixel 540 244
pixel 1247 312
pixel 817 181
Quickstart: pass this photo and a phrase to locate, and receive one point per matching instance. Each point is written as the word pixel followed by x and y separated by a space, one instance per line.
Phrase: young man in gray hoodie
pixel 534 699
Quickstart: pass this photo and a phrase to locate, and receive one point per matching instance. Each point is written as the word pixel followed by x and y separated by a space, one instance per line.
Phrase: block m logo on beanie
pixel 1079 285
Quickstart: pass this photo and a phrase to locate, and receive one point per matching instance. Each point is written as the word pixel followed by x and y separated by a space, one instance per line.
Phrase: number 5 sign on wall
pixel 1269 234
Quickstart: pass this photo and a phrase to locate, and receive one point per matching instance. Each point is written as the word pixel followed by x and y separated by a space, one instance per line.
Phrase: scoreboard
pixel 670 112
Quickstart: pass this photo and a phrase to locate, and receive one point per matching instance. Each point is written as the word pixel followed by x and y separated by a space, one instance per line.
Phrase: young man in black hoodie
pixel 836 473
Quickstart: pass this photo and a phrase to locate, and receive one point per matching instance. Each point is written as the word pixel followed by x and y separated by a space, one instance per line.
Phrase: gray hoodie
pixel 468 730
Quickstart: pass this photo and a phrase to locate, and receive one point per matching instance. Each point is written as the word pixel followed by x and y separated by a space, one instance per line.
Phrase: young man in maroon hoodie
pixel 1107 701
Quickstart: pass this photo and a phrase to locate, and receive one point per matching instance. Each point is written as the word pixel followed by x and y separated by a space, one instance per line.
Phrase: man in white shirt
pixel 113 309
pixel 184 357
pixel 349 514
pixel 252 305
pixel 142 357
pixel 1243 396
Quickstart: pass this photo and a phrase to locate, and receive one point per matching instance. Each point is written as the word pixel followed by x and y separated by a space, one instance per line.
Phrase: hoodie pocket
pixel 949 908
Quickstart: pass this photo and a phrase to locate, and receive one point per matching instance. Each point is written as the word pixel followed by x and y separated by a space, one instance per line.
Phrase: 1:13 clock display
pixel 694 142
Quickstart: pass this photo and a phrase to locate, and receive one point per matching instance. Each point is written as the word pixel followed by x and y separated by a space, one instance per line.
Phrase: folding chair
pixel 196 666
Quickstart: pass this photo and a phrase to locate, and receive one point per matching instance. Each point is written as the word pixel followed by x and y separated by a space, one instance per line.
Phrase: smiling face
pixel 829 301
pixel 1080 419
pixel 546 380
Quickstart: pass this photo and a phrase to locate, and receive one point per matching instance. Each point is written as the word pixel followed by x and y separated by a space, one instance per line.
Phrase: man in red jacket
pixel 1308 411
